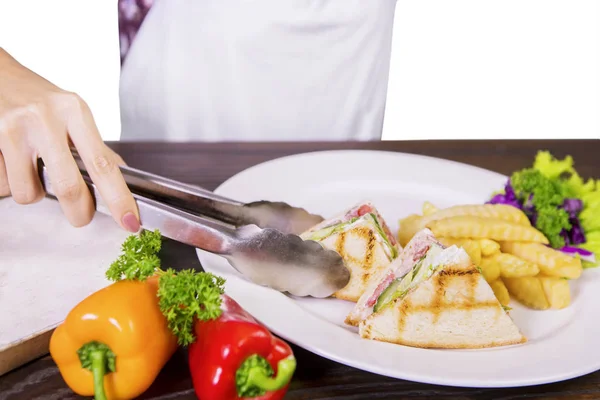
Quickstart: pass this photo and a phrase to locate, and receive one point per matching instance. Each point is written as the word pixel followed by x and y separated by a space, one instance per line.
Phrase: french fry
pixel 429 208
pixel 529 291
pixel 410 225
pixel 473 250
pixel 488 247
pixel 489 211
pixel 512 266
pixel 540 292
pixel 557 291
pixel 467 226
pixel 500 291
pixel 408 228
pixel 550 261
pixel 490 269
pixel 470 246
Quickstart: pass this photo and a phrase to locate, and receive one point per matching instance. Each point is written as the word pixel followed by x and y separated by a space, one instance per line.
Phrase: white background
pixel 460 68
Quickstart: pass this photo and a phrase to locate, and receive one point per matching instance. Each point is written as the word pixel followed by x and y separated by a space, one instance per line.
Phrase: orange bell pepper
pixel 114 343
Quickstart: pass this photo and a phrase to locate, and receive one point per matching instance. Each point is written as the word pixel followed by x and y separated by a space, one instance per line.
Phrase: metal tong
pixel 259 239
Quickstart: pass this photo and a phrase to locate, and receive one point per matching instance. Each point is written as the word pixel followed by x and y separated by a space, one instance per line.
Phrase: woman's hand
pixel 38 119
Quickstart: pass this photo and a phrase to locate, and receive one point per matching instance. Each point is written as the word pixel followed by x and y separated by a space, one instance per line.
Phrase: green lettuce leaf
pixel 550 166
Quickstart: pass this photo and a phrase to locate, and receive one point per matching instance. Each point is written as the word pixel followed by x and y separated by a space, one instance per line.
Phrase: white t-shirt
pixel 258 70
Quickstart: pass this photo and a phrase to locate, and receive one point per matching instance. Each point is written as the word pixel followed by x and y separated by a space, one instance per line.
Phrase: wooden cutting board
pixel 46 268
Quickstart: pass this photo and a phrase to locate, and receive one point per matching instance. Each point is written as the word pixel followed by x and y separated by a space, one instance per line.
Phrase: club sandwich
pixel 363 239
pixel 433 297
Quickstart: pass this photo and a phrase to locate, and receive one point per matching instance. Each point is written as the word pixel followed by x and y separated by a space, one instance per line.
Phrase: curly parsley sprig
pixel 139 258
pixel 188 296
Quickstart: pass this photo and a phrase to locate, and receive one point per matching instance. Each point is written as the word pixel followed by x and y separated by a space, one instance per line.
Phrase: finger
pixel 4 187
pixel 67 183
pixel 21 173
pixel 102 165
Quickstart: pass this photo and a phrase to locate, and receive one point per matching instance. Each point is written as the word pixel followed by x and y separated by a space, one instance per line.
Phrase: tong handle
pixel 193 199
pixel 157 184
pixel 173 223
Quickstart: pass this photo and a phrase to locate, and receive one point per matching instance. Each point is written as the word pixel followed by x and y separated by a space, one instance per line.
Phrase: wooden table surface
pixel 316 378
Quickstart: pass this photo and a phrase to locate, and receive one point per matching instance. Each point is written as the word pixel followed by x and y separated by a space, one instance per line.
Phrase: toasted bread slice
pixel 362 238
pixel 363 255
pixel 455 308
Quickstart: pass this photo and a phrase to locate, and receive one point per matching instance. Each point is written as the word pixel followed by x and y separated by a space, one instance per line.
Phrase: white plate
pixel 562 344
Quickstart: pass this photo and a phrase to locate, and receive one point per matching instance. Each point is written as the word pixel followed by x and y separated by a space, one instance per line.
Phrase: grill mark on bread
pixel 405 307
pixel 370 253
pixel 340 244
pixel 340 249
pixel 454 306
pixel 365 277
pixel 473 282
pixel 369 256
pixel 439 284
pixel 458 272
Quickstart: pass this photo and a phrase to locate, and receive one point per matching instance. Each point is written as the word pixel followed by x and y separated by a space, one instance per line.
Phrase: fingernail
pixel 130 222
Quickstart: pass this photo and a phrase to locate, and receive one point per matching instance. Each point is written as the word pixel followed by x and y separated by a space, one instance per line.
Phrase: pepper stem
pixel 285 370
pixel 98 358
pixel 255 376
pixel 99 370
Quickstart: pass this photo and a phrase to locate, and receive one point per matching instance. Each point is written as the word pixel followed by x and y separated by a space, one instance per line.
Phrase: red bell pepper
pixel 235 357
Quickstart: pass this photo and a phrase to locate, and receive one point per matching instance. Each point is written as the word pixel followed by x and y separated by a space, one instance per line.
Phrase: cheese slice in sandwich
pixel 363 240
pixel 442 302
